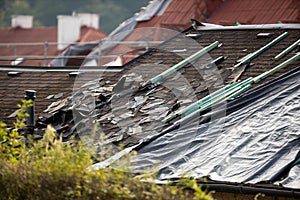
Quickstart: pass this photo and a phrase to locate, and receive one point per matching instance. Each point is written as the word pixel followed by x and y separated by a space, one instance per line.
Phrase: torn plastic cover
pixel 250 145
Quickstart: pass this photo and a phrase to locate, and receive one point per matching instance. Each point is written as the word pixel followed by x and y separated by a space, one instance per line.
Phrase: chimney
pixel 90 20
pixel 23 21
pixel 68 30
pixel 30 95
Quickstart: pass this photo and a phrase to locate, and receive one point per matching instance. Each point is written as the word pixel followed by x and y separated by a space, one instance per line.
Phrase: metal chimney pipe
pixel 30 95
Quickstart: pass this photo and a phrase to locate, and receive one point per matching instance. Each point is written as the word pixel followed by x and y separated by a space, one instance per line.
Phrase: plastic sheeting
pixel 253 143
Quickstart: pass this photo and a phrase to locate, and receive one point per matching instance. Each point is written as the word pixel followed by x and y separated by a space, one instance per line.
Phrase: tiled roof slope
pixel 256 12
pixel 38 35
pixel 51 86
pixel 178 14
pixel 227 12
pixel 192 84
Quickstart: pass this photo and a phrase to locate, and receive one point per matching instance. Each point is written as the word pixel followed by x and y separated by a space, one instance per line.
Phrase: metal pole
pixel 45 53
pixel 15 52
pixel 99 54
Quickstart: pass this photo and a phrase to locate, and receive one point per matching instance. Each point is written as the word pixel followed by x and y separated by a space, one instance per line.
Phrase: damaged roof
pixel 133 114
pixel 51 85
pixel 126 112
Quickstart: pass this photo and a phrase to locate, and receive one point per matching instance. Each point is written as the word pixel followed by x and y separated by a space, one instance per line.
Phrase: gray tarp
pixel 293 180
pixel 255 143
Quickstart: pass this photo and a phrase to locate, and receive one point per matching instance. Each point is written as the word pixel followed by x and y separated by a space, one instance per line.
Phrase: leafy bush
pixel 51 169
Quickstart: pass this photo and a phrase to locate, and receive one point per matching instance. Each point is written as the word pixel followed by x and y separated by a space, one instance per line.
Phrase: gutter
pixel 247 189
pixel 209 27
pixel 61 69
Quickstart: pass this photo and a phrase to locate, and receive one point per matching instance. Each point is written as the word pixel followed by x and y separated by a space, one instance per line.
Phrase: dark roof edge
pixel 61 69
pixel 250 189
pixel 208 26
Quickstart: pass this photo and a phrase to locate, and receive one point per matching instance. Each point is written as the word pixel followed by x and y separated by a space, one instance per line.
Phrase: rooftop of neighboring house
pixel 256 12
pixel 177 13
pixel 37 46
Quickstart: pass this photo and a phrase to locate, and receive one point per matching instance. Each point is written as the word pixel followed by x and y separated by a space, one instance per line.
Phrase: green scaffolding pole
pixel 287 50
pixel 253 55
pixel 183 63
pixel 275 69
pixel 215 96
pixel 228 92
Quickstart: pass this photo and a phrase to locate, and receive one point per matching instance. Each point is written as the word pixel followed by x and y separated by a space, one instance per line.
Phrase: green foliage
pixel 51 169
pixel 11 144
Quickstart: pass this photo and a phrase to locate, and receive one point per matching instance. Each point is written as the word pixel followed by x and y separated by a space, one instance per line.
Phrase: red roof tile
pixel 257 12
pixel 89 34
pixel 38 35
pixel 180 12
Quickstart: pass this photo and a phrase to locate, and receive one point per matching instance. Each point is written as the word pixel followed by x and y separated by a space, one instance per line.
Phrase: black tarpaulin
pixel 253 143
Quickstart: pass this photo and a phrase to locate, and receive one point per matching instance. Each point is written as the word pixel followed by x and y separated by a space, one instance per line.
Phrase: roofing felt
pixel 41 35
pixel 131 118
